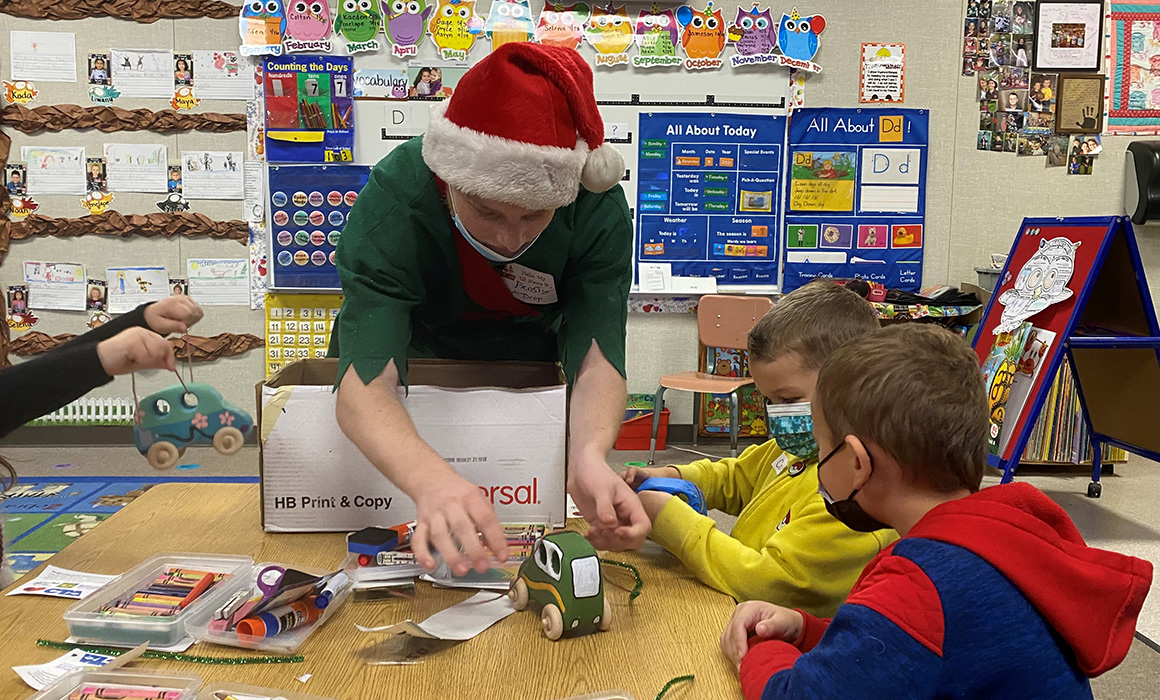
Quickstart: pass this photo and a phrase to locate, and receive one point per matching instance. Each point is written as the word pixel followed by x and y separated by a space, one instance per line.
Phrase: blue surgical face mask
pixel 480 248
pixel 792 426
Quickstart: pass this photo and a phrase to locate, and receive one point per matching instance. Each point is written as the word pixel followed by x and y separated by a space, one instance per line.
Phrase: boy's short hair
pixel 811 322
pixel 916 391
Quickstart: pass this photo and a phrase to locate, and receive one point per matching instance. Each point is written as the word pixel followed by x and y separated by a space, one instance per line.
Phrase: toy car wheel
pixel 518 594
pixel 552 621
pixel 228 440
pixel 163 455
pixel 606 617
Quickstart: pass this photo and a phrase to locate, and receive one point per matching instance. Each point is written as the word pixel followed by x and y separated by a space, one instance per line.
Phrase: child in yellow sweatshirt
pixel 785 548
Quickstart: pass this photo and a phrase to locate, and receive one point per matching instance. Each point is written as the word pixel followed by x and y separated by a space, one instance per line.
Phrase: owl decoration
pixel 1041 282
pixel 562 25
pixel 262 25
pixel 702 35
pixel 753 33
pixel 797 36
pixel 656 35
pixel 509 22
pixel 454 28
pixel 358 22
pixel 609 31
pixel 308 21
pixel 405 23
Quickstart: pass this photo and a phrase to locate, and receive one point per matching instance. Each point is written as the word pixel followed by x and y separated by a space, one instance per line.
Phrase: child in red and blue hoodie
pixel 989 594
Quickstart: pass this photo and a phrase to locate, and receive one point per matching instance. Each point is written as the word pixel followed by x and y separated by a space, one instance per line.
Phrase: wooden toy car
pixel 172 419
pixel 563 575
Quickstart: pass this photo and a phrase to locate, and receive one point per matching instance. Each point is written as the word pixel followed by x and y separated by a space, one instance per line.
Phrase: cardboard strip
pixel 199 348
pixel 143 11
pixel 106 118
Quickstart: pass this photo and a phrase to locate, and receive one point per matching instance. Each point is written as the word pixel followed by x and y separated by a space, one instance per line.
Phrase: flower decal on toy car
pixel 200 422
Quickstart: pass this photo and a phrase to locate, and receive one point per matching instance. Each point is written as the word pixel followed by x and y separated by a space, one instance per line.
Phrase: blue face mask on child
pixel 792 426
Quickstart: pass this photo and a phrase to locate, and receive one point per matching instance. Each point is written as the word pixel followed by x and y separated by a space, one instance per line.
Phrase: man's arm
pixel 451 511
pixel 598 399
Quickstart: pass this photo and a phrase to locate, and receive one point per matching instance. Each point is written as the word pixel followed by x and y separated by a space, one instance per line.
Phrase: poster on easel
pixel 856 196
pixel 708 195
pixel 1080 286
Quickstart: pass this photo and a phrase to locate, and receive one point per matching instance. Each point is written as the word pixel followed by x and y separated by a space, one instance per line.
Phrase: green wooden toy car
pixel 179 416
pixel 563 575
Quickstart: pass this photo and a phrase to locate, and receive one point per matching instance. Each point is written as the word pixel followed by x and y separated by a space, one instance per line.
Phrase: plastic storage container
pixel 236 691
pixel 87 625
pixel 169 686
pixel 287 642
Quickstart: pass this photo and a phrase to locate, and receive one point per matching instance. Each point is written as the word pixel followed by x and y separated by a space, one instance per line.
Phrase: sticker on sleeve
pixel 528 285
pixel 780 463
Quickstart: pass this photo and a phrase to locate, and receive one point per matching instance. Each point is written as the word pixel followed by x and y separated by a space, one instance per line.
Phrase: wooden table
pixel 670 630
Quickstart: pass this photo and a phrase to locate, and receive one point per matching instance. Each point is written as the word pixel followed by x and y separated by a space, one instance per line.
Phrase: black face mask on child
pixel 847 511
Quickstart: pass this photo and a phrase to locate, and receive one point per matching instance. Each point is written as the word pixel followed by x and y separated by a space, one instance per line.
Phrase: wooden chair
pixel 722 322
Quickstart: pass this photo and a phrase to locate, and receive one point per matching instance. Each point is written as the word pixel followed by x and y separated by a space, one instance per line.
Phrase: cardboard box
pixel 502 425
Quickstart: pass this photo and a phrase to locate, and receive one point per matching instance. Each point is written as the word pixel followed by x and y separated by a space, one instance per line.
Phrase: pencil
pixel 200 588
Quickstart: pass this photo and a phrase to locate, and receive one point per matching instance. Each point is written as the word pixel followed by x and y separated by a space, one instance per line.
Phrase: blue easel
pixel 1109 333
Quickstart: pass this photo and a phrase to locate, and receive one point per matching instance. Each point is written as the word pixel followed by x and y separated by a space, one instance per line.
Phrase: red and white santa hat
pixel 522 127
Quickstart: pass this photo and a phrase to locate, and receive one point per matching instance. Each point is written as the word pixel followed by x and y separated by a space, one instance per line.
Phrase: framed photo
pixel 1079 106
pixel 1069 35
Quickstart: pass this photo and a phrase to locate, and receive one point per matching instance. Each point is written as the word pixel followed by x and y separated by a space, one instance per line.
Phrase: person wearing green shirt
pixel 500 234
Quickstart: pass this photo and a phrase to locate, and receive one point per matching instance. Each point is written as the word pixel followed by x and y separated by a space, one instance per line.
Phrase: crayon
pixel 272 622
pixel 200 588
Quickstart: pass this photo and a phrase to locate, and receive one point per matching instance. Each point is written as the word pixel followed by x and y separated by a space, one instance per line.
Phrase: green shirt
pixel 404 294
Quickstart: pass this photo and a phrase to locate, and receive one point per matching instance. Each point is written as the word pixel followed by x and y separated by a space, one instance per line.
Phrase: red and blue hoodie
pixel 992 596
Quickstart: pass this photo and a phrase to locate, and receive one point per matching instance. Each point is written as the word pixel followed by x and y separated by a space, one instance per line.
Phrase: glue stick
pixel 272 622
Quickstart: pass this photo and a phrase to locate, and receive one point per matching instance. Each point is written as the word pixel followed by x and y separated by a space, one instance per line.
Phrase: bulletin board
pixel 708 194
pixel 856 196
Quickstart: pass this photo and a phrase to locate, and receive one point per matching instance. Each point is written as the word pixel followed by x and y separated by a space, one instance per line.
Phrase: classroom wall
pixel 975 201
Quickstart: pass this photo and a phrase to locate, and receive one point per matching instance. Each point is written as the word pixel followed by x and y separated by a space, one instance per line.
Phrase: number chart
pixel 309 109
pixel 309 206
pixel 298 327
pixel 708 194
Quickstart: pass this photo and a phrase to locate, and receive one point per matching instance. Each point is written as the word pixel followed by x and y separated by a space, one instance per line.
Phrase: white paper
pixel 55 169
pixel 254 191
pixel 815 256
pixel 41 676
pixel 142 73
pixel 901 200
pixel 55 582
pixel 656 277
pixel 694 285
pixel 380 84
pixel 130 287
pixel 528 285
pixel 137 167
pixel 177 648
pixel 616 131
pixel 211 174
pixel 459 622
pixel 223 75
pixel 59 286
pixel 891 166
pixel 50 57
pixel 219 281
pixel 573 511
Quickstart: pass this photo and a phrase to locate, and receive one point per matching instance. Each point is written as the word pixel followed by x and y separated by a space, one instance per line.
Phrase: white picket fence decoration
pixel 91 411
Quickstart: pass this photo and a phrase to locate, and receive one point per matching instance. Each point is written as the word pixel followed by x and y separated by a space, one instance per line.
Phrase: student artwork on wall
pixel 754 36
pixel 510 23
pixel 1134 51
pixel 1068 35
pixel 609 31
pixel 702 37
pixel 358 21
pixel 856 200
pixel 308 25
pixel 708 195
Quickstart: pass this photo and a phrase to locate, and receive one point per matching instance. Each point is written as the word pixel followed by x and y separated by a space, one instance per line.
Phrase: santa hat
pixel 522 127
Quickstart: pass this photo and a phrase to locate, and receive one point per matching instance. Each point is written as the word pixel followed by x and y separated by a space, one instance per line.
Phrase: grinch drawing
pixel 1041 283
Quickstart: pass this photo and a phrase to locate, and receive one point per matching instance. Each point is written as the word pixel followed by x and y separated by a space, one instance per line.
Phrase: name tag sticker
pixel 528 285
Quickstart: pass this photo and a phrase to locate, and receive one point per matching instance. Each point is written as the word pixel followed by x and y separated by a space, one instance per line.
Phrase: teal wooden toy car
pixel 563 576
pixel 172 419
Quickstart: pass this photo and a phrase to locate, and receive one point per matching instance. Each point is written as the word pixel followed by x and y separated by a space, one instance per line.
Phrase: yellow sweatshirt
pixel 785 548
